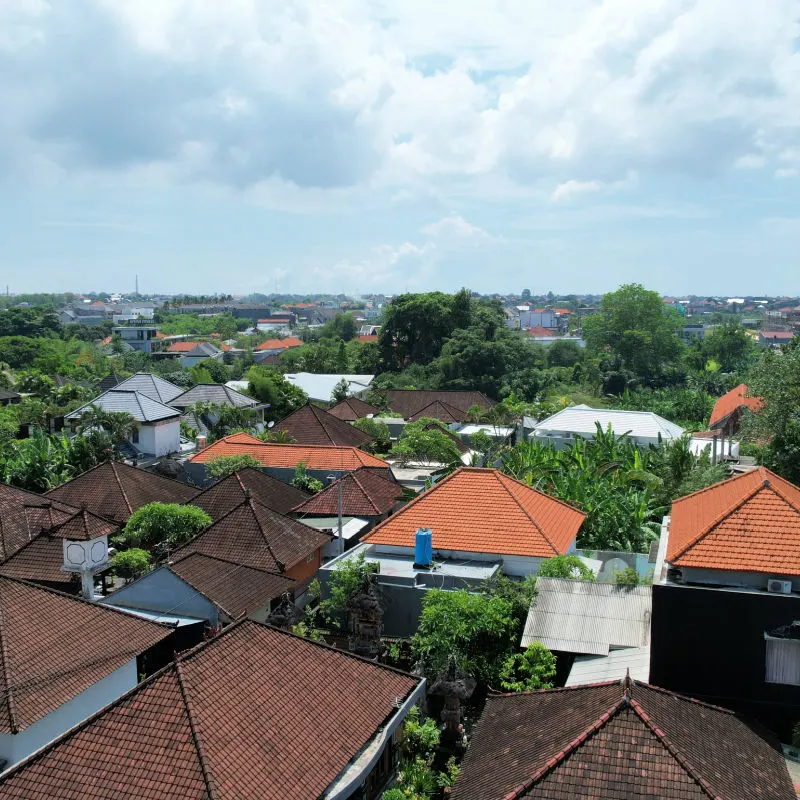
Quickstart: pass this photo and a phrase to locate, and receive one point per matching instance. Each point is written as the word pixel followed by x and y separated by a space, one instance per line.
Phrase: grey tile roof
pixel 215 393
pixel 151 386
pixel 138 405
pixel 203 350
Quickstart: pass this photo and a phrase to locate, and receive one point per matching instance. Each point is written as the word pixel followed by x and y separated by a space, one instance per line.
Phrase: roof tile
pixel 366 492
pixel 311 425
pixel 733 400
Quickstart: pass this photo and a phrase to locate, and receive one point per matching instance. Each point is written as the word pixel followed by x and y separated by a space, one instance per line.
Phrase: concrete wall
pixel 15 747
pixel 745 580
pixel 160 438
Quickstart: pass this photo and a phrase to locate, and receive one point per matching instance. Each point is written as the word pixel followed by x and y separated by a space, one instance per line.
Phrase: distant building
pixel 775 339
pixel 138 336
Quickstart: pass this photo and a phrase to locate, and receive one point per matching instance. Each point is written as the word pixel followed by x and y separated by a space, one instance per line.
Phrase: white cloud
pixel 569 189
pixel 455 227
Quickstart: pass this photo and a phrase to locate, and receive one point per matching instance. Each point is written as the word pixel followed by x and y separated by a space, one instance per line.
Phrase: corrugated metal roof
pixel 598 669
pixel 580 421
pixel 587 617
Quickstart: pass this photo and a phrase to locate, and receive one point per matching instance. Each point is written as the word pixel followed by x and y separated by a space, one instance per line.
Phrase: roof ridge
pixel 363 489
pixel 198 745
pixel 719 483
pixel 679 696
pixel 781 492
pixel 226 561
pixel 511 478
pixel 4 666
pixel 281 564
pixel 113 466
pixel 525 512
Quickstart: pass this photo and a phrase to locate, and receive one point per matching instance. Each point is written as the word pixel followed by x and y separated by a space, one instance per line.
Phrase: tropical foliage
pixel 163 526
pixel 533 668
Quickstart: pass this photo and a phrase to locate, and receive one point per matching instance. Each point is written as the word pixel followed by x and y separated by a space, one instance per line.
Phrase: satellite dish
pixel 270 424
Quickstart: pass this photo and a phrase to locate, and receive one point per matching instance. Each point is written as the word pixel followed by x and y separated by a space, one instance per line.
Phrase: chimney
pixel 201 441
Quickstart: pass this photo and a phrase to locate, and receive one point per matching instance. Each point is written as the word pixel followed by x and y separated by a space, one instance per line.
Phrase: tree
pixel 530 670
pixel 628 577
pixel 38 463
pixel 302 480
pixel 634 325
pixel 729 346
pixel 341 391
pixel 378 430
pixel 426 442
pixel 345 582
pixel 565 567
pixel 130 564
pixel 164 525
pixel 269 386
pixel 226 465
pixel 119 425
pixel 564 354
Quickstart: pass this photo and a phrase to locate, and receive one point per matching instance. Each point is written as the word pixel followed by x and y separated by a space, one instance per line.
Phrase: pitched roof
pixel 735 399
pixel 484 511
pixel 409 402
pixel 778 335
pixel 141 407
pixel 280 344
pixel 151 386
pixel 750 523
pixel 365 493
pixel 202 350
pixel 271 454
pixel 115 490
pixel 255 535
pixel 54 646
pixel 588 617
pixel 182 347
pixel 235 589
pixel 539 330
pixel 249 713
pixel 596 742
pixel 215 393
pixel 581 421
pixel 352 408
pixel 440 410
pixel 228 493
pixel 109 381
pixel 367 337
pixel 311 425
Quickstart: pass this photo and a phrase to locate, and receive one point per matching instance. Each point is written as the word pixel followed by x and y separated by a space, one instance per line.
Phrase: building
pixel 312 425
pixel 192 353
pixel 281 460
pixel 213 396
pixel 416 403
pixel 320 387
pixel 277 322
pixel 137 335
pixel 151 386
pixel 725 598
pixel 250 713
pixel 726 417
pixel 115 490
pixel 643 428
pixel 352 408
pixel 63 659
pixel 620 739
pixel 271 347
pixel 8 398
pixel 775 339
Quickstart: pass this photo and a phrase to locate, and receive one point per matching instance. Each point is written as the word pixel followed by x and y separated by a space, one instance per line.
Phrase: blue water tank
pixel 423 548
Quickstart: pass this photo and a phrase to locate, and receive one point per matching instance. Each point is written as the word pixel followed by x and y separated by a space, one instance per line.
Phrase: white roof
pixel 498 431
pixel 599 669
pixel 320 387
pixel 580 421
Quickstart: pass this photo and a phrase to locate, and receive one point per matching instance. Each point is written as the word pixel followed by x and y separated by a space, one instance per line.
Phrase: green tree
pixel 378 430
pixel 729 346
pixel 426 441
pixel 130 564
pixel 38 463
pixel 345 582
pixel 564 354
pixel 164 525
pixel 223 466
pixel 269 386
pixel 532 669
pixel 565 567
pixel 627 577
pixel 341 391
pixel 302 480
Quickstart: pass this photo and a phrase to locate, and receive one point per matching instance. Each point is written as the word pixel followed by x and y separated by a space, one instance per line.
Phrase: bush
pixel 167 524
pixel 130 564
pixel 394 794
pixel 379 432
pixel 530 670
pixel 302 480
pixel 345 581
pixel 565 567
pixel 226 465
pixel 420 738
pixel 627 577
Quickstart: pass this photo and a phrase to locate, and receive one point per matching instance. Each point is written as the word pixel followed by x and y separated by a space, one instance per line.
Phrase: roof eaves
pixel 7 681
pixel 519 505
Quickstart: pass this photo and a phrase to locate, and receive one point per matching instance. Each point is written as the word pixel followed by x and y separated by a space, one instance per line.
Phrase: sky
pixel 366 146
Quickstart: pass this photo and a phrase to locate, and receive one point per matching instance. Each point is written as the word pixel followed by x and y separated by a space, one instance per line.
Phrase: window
pixel 135 436
pixel 782 660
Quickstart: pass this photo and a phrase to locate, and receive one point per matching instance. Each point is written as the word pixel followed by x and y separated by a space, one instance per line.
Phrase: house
pixel 320 387
pixel 586 622
pixel 115 490
pixel 157 431
pixel 63 659
pixel 352 408
pixel 7 397
pixel 726 597
pixel 729 409
pixel 276 346
pixel 312 425
pixel 110 381
pixel 138 335
pixel 775 339
pixel 211 396
pixel 481 522
pixel 539 331
pixel 619 739
pixel 276 322
pixel 416 403
pixel 281 460
pixel 225 495
pixel 643 428
pixel 151 386
pixel 192 353
pixel 249 713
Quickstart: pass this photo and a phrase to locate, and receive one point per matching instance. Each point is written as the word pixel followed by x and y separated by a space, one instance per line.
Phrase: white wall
pixel 160 438
pixel 745 580
pixel 15 747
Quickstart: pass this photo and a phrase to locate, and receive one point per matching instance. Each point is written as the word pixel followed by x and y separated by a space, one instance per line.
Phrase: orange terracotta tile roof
pixel 182 347
pixel 538 330
pixel 366 492
pixel 750 523
pixel 271 454
pixel 367 338
pixel 731 401
pixel 484 511
pixel 280 344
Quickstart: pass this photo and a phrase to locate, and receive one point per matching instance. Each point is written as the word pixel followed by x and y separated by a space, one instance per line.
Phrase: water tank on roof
pixel 423 548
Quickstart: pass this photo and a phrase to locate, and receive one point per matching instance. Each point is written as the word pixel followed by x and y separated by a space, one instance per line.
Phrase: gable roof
pixel 215 393
pixel 55 646
pixel 603 741
pixel 311 425
pixel 540 330
pixel 182 347
pixel 202 350
pixel 749 523
pixel 484 511
pixel 272 454
pixel 141 407
pixel 109 381
pixel 151 386
pixel 115 490
pixel 235 589
pixel 366 492
pixel 231 491
pixel 247 714
pixel 587 617
pixel 409 402
pixel 581 421
pixel 255 535
pixel 352 408
pixel 280 344
pixel 440 410
pixel 731 401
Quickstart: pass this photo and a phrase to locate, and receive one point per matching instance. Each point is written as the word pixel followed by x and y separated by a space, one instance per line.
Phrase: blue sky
pixel 390 145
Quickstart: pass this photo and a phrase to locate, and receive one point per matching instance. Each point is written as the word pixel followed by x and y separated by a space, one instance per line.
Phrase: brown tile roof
pixel 228 493
pixel 366 338
pixel 233 588
pixel 352 408
pixel 115 490
pixel 54 646
pixel 484 511
pixel 24 515
pixel 750 523
pixel 311 425
pixel 733 400
pixel 254 535
pixel 409 402
pixel 248 714
pixel 442 411
pixel 592 742
pixel 365 492
pixel 271 454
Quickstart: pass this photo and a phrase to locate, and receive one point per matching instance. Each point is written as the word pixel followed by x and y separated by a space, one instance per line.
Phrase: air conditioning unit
pixel 778 586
